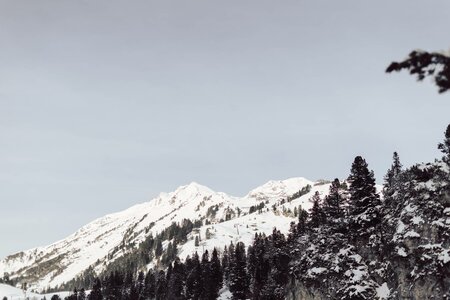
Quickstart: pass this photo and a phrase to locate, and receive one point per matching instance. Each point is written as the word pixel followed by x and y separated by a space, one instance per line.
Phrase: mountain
pixel 218 219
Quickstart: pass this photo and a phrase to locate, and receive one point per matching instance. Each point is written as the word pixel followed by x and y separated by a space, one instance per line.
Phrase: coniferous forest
pixel 352 244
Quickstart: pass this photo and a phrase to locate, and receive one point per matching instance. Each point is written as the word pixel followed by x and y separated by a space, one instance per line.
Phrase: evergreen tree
pixel 208 288
pixel 82 294
pixel 133 293
pixel 225 264
pixel 194 285
pixel 392 176
pixel 445 146
pixel 317 214
pixel 216 274
pixel 423 64
pixel 140 283
pixel 158 247
pixel 161 286
pixel 333 205
pixel 279 265
pixel 73 296
pixel 302 220
pixel 258 266
pixel 96 292
pixel 364 201
pixel 239 280
pixel 149 285
pixel 176 281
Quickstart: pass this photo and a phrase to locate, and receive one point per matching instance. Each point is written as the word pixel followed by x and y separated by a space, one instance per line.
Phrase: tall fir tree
pixel 333 206
pixel 364 204
pixel 161 286
pixel 149 285
pixel 96 292
pixel 158 247
pixel 225 264
pixel 445 146
pixel 317 214
pixel 140 283
pixel 302 224
pixel 176 281
pixel 216 273
pixel 238 273
pixel 194 285
pixel 392 176
pixel 279 265
pixel 206 279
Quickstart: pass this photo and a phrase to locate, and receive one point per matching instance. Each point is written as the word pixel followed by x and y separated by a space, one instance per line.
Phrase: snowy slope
pixel 98 243
pixel 13 293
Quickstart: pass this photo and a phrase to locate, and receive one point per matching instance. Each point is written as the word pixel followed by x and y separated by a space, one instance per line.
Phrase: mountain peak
pixel 279 188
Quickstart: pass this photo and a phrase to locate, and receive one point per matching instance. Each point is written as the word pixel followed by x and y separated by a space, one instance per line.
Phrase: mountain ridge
pixel 105 239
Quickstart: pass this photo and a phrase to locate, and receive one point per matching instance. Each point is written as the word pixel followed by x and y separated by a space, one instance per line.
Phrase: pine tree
pixel 150 285
pixel 161 286
pixel 140 283
pixel 392 176
pixel 216 274
pixel 194 285
pixel 208 287
pixel 133 293
pixel 302 221
pixel 364 201
pixel 82 294
pixel 159 247
pixel 74 295
pixel 96 293
pixel 317 214
pixel 258 266
pixel 333 205
pixel 238 273
pixel 445 146
pixel 226 264
pixel 279 263
pixel 176 281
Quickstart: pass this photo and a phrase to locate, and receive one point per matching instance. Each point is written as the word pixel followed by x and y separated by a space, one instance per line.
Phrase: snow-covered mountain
pixel 224 219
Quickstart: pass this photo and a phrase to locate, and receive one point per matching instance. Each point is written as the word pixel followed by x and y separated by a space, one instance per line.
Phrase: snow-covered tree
pixel 364 201
pixel 445 146
pixel 333 204
pixel 317 214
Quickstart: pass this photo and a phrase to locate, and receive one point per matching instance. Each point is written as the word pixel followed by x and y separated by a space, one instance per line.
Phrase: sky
pixel 104 104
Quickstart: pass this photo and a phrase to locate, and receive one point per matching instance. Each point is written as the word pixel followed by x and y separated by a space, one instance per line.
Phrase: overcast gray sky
pixel 103 104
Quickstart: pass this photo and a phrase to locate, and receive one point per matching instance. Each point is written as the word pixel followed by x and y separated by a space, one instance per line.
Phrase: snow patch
pixel 383 291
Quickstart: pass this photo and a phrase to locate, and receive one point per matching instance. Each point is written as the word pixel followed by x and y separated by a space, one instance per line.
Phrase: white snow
pixel 401 251
pixel 225 294
pixel 316 271
pixel 444 256
pixel 400 227
pixel 417 220
pixel 98 242
pixel 13 293
pixel 412 234
pixel 383 291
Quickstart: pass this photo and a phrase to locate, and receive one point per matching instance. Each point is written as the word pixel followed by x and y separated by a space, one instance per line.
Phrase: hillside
pixel 219 219
pixel 14 293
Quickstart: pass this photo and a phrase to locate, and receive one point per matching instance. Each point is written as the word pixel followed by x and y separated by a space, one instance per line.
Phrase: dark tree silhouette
pixel 423 64
pixel 445 146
